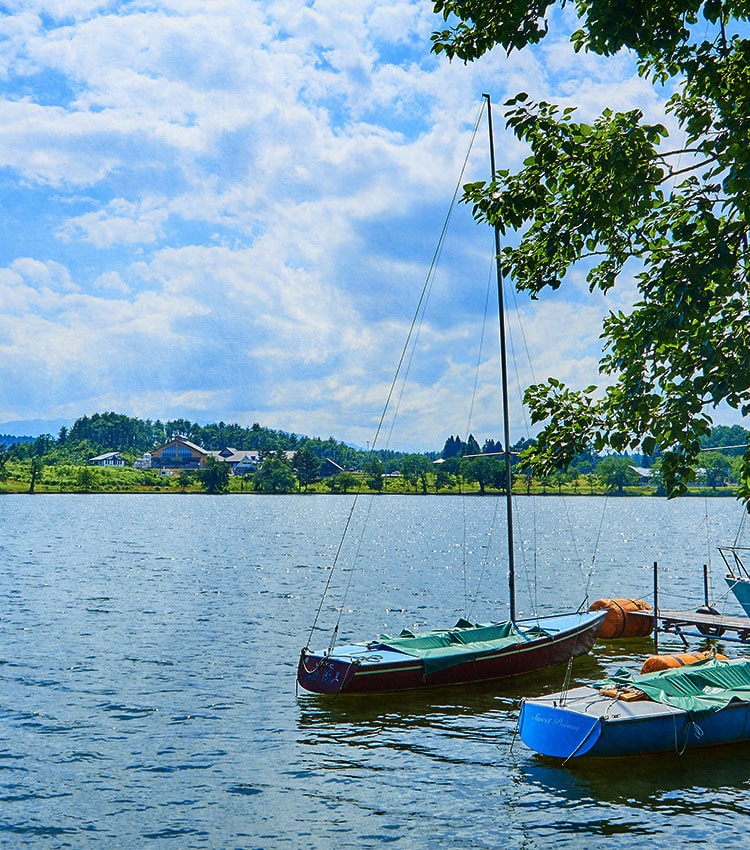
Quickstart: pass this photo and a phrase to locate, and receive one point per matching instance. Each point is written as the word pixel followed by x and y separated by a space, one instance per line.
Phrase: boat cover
pixel 700 688
pixel 446 648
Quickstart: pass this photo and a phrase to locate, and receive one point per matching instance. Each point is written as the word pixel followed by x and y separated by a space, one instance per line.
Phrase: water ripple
pixel 148 683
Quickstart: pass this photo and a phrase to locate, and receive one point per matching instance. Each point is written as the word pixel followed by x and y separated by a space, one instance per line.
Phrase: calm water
pixel 147 676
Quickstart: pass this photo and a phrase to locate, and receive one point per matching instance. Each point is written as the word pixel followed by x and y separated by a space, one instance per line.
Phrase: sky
pixel 226 210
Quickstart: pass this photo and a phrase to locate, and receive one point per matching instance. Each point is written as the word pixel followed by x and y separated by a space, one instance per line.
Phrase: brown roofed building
pixel 179 453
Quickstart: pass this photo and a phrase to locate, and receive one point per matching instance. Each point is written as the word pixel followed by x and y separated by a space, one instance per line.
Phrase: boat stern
pixel 551 730
pixel 324 674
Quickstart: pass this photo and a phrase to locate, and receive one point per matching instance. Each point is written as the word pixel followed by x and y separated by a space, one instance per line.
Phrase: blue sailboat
pixel 704 704
pixel 738 576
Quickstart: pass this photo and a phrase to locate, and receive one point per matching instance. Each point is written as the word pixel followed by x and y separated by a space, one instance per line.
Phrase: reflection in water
pixel 702 793
pixel 450 760
pixel 461 702
pixel 441 734
pixel 656 782
pixel 147 672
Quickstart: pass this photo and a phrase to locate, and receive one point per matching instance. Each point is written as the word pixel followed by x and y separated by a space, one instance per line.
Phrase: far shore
pixel 22 489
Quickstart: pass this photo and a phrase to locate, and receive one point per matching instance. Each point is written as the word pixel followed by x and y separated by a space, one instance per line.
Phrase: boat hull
pixel 740 587
pixel 360 668
pixel 585 723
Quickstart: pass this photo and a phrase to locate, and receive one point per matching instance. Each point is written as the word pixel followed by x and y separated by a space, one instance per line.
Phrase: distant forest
pixel 102 432
pixel 11 440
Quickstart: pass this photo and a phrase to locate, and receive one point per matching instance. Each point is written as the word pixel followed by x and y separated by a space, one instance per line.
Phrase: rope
pixel 569 667
pixel 691 726
pixel 568 671
pixel 585 738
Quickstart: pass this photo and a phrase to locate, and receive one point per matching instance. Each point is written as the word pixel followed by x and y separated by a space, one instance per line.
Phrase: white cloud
pixel 44 276
pixel 120 223
pixel 227 210
pixel 112 282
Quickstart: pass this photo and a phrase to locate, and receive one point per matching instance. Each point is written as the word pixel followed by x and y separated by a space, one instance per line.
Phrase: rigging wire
pixel 327 585
pixel 741 528
pixel 531 576
pixel 402 372
pixel 595 551
pixel 413 335
pixel 485 559
pixel 586 578
pixel 470 609
pixel 480 351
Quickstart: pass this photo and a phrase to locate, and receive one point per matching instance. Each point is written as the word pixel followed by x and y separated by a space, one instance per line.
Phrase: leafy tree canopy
pixel 616 473
pixel 415 468
pixel 274 476
pixel 307 467
pixel 375 471
pixel 618 198
pixel 214 476
pixel 485 471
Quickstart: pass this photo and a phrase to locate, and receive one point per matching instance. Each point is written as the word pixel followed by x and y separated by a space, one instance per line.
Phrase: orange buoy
pixel 619 622
pixel 665 662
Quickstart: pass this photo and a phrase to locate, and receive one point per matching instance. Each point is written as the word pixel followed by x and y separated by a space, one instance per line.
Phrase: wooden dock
pixel 701 623
pixel 686 624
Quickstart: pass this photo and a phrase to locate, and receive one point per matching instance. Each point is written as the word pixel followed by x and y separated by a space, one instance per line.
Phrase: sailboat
pixel 467 652
pixel 737 561
pixel 738 576
pixel 700 705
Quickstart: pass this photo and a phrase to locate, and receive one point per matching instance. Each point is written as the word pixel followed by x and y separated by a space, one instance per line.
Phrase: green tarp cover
pixel 440 650
pixel 700 688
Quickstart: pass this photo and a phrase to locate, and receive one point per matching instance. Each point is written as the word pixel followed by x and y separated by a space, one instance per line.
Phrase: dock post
pixel 656 607
pixel 705 585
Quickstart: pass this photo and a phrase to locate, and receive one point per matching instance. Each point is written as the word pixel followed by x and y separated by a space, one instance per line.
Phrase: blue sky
pixel 226 211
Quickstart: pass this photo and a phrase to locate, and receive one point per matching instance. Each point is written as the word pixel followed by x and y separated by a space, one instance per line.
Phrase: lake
pixel 149 649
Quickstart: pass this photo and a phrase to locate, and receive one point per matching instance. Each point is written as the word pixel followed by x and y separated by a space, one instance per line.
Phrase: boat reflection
pixel 436 706
pixel 667 783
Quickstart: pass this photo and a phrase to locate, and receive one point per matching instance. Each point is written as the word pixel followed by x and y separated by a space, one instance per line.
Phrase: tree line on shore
pixel 292 463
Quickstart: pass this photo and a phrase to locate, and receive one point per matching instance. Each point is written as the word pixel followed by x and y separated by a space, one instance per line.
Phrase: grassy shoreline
pixel 392 488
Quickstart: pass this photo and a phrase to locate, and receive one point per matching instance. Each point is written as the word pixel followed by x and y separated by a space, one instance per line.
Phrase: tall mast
pixel 504 376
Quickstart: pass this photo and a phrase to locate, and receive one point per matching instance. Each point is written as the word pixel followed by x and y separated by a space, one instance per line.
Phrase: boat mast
pixel 504 376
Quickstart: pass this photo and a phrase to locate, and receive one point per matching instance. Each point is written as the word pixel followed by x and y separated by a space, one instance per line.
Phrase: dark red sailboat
pixel 467 652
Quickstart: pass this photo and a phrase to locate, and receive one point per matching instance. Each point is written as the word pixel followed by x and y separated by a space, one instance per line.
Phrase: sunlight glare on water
pixel 149 650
